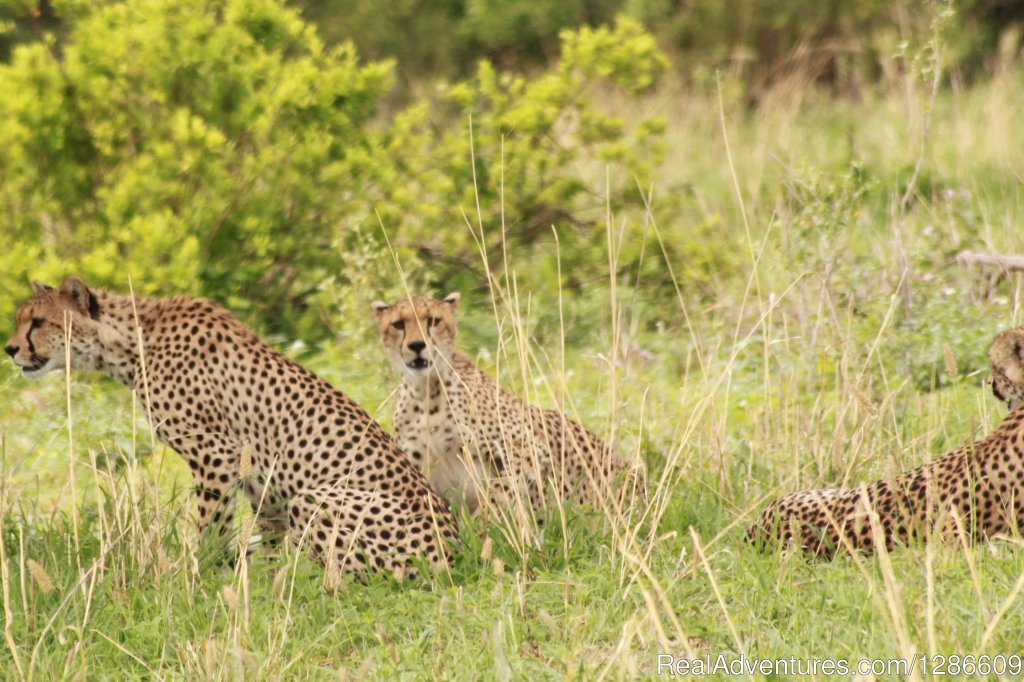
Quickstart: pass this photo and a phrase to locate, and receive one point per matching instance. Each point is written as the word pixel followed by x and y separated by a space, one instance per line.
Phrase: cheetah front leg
pixel 214 469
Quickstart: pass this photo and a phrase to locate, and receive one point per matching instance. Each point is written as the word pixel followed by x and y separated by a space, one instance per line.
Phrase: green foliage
pixel 445 39
pixel 516 159
pixel 818 209
pixel 931 362
pixel 196 147
pixel 768 41
pixel 223 150
pixel 423 37
pixel 847 46
pixel 522 31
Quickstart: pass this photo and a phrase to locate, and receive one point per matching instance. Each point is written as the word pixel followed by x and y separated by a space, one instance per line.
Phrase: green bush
pixel 220 149
pixel 536 144
pixel 196 146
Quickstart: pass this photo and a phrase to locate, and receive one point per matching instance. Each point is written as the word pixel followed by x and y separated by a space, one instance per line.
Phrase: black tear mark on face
pixel 32 326
pixel 997 393
pixel 37 360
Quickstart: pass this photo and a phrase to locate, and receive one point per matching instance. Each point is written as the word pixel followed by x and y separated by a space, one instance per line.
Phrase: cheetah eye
pixel 433 321
pixel 36 322
pixel 398 324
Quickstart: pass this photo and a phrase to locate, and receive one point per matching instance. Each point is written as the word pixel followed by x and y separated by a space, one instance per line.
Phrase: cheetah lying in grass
pixel 471 437
pixel 308 458
pixel 975 490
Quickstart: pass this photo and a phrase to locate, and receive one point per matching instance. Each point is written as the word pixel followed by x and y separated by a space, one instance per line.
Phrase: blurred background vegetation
pixel 258 151
pixel 844 45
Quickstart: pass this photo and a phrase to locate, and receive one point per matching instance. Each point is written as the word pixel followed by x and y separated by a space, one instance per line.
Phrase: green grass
pixel 840 345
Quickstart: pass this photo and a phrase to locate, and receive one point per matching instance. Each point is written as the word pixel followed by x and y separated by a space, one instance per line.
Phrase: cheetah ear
pixel 38 288
pixel 80 294
pixel 1007 354
pixel 452 299
pixel 379 308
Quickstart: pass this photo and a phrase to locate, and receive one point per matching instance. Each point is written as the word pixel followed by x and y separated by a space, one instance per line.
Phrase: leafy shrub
pixel 220 149
pixel 197 146
pixel 522 151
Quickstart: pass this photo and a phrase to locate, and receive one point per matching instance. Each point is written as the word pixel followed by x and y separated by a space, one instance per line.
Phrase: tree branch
pixel 976 258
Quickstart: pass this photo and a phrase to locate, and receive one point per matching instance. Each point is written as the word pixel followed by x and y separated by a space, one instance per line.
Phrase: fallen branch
pixel 976 258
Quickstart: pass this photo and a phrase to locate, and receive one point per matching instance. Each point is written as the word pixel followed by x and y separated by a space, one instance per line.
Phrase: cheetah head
pixel 418 331
pixel 41 324
pixel 1007 357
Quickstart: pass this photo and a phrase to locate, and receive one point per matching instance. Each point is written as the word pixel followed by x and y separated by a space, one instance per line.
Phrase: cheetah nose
pixel 11 350
pixel 417 346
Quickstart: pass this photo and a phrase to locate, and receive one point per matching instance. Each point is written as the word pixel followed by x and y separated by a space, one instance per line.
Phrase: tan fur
pixel 1007 357
pixel 977 491
pixel 317 466
pixel 472 438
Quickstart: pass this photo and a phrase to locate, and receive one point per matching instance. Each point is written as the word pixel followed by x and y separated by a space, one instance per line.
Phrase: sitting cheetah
pixel 310 460
pixel 975 490
pixel 447 405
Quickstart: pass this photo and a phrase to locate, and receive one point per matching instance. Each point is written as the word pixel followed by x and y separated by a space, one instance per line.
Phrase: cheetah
pixel 468 434
pixel 975 491
pixel 312 463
